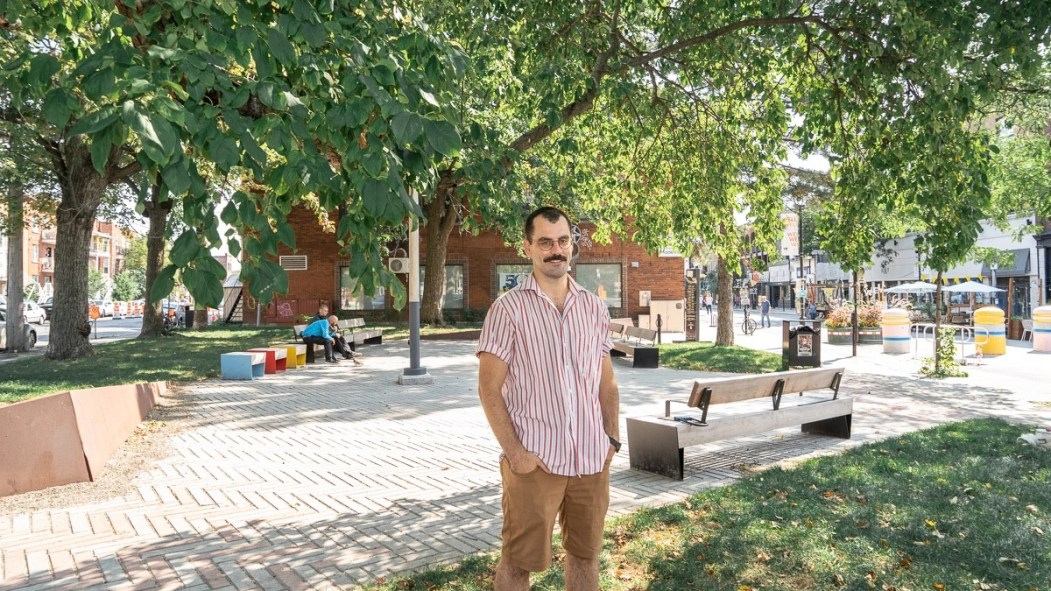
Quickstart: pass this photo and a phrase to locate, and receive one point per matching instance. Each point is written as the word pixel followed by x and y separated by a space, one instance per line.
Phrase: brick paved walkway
pixel 329 477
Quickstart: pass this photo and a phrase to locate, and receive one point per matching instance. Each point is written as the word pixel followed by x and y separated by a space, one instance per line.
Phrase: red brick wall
pixel 662 276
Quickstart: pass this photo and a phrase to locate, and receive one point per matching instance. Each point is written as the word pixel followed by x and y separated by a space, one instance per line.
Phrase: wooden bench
pixel 355 333
pixel 656 444
pixel 639 343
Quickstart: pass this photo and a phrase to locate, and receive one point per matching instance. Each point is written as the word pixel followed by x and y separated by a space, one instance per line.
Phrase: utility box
pixel 800 343
pixel 672 313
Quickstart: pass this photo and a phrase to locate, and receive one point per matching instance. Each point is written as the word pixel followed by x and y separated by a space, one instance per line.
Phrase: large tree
pixel 733 77
pixel 339 103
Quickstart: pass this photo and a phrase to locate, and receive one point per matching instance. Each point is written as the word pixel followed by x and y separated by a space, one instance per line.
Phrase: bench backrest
pixel 616 329
pixel 622 321
pixel 298 329
pixel 750 387
pixel 352 323
pixel 644 334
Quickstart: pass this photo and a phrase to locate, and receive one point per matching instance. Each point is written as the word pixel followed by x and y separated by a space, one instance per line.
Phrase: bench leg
pixel 834 427
pixel 377 340
pixel 647 358
pixel 655 448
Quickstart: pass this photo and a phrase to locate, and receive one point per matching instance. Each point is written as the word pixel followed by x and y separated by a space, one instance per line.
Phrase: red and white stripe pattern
pixel 554 366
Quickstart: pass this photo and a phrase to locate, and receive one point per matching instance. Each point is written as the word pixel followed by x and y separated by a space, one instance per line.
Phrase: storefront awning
pixel 1019 268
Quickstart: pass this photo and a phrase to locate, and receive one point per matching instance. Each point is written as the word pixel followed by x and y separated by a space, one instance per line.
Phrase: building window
pixel 453 299
pixel 351 296
pixel 509 276
pixel 36 253
pixel 603 280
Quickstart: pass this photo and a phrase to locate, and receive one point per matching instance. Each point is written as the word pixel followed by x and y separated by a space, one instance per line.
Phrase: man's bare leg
pixel 581 574
pixel 510 578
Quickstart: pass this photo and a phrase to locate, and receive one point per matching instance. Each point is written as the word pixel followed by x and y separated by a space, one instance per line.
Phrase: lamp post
pixel 992 267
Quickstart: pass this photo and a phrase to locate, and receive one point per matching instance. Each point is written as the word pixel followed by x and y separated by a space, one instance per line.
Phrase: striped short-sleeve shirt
pixel 554 368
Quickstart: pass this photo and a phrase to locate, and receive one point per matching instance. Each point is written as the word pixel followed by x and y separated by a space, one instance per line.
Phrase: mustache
pixel 554 257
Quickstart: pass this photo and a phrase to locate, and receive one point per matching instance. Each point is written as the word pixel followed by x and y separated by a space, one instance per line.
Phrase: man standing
pixel 546 385
pixel 764 309
pixel 708 303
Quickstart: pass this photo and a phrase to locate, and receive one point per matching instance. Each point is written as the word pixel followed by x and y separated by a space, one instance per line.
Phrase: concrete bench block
pixel 242 366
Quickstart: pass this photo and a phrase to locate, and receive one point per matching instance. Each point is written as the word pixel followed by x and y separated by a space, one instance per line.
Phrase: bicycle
pixel 748 326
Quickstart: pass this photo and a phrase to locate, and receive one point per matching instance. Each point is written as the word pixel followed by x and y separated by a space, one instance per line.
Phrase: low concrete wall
pixel 69 436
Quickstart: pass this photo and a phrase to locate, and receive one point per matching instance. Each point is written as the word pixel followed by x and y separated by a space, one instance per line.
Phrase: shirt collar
pixel 531 284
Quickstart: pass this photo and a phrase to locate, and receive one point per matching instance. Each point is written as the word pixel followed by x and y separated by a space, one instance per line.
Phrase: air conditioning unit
pixel 398 264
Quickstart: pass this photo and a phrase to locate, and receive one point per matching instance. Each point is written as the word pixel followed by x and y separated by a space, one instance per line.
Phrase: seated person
pixel 339 343
pixel 319 332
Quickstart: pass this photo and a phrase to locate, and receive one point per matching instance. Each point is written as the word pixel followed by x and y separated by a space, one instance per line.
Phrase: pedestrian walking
pixel 708 303
pixel 546 385
pixel 764 312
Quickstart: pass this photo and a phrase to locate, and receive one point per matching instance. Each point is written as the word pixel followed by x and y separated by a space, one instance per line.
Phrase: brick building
pixel 478 269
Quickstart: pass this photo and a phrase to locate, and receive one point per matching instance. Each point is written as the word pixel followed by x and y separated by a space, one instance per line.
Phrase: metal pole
pixel 414 374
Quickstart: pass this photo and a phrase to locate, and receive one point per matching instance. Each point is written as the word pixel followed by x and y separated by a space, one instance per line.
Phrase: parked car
pixel 33 312
pixel 28 333
pixel 46 305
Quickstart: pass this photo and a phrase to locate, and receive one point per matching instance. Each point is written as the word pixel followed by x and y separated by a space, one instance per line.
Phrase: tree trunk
pixel 15 268
pixel 441 214
pixel 82 191
pixel 854 316
pixel 157 211
pixel 724 335
pixel 937 322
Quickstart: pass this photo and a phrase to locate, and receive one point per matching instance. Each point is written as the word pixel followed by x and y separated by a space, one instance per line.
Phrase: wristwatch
pixel 614 443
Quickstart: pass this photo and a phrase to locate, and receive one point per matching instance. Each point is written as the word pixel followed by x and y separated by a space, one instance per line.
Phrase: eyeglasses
pixel 547 244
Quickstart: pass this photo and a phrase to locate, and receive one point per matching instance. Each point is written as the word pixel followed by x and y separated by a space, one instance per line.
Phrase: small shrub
pixel 870 315
pixel 838 317
pixel 947 366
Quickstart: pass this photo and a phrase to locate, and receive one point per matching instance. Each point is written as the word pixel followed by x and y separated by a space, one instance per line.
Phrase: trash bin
pixel 896 327
pixel 1042 329
pixel 188 316
pixel 800 343
pixel 989 331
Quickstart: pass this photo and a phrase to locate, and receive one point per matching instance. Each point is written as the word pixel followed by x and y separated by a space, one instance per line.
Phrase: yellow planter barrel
pixel 989 330
pixel 1042 329
pixel 896 327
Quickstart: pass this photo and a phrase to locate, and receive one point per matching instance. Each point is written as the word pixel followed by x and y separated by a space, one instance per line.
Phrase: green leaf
pixel 280 48
pixel 185 248
pixel 176 176
pixel 57 108
pixel 206 288
pixel 376 193
pixel 93 123
pixel 163 284
pixel 286 234
pixel 158 137
pixel 41 68
pixel 223 151
pixel 229 214
pixel 407 127
pixel 100 149
pixel 442 136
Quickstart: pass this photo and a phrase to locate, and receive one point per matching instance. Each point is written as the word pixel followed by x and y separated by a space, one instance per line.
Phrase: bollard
pixel 1042 329
pixel 896 330
pixel 991 319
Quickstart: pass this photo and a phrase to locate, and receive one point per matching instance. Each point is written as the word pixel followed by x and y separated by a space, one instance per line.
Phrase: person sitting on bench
pixel 319 333
pixel 338 342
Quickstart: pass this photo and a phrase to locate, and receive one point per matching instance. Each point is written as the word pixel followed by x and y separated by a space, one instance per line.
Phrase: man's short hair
pixel 551 214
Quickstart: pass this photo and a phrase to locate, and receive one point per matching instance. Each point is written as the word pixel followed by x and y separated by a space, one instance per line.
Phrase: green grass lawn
pixel 705 356
pixel 959 507
pixel 186 356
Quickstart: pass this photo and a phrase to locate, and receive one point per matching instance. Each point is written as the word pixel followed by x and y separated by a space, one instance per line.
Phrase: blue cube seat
pixel 242 366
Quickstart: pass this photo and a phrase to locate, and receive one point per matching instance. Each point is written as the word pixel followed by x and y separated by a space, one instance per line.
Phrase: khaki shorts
pixel 532 501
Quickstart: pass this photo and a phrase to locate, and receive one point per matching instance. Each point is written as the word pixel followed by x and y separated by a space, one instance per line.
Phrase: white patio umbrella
pixel 914 287
pixel 972 287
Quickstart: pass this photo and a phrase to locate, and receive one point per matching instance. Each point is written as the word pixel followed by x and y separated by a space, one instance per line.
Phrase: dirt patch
pixel 147 444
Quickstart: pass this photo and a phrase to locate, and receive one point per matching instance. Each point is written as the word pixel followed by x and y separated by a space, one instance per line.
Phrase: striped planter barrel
pixel 990 320
pixel 1042 329
pixel 896 327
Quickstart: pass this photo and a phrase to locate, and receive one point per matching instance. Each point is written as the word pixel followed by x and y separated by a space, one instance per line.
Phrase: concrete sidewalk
pixel 333 476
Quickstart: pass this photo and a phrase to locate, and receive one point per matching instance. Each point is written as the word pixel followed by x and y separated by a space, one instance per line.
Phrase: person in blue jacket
pixel 320 332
